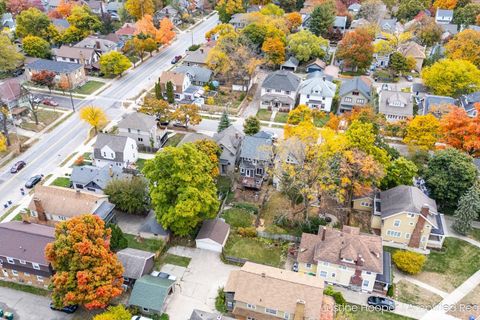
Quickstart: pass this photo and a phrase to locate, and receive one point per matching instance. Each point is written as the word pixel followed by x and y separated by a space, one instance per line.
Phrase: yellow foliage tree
pixel 165 33
pixel 274 49
pixel 139 8
pixel 392 42
pixel 422 133
pixel 466 46
pixel 445 4
pixel 294 20
pixel 3 143
pixel 305 131
pixel 94 116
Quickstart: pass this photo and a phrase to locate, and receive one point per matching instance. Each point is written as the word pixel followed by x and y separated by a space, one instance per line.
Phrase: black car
pixel 18 166
pixel 17 72
pixel 381 302
pixel 66 309
pixel 33 181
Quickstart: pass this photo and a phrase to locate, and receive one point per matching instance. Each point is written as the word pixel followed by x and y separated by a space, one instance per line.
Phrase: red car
pixel 50 102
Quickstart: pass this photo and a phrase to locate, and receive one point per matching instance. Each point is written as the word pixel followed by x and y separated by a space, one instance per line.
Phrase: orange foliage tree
pixel 294 20
pixel 445 4
pixel 145 26
pixel 165 33
pixel 274 50
pixel 63 10
pixel 87 272
pixel 460 131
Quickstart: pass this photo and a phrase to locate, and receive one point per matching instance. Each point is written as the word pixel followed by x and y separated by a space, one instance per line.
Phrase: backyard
pixel 410 293
pixel 238 218
pixel 45 117
pixel 62 182
pixel 89 87
pixel 152 245
pixel 174 140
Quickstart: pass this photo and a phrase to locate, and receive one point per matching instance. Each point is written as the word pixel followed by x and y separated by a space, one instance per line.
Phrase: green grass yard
pixel 174 140
pixel 152 245
pixel 264 114
pixel 169 258
pixel 89 87
pixel 281 117
pixel 356 312
pixel 475 234
pixel 237 217
pixel 62 182
pixel 24 288
pixel 140 163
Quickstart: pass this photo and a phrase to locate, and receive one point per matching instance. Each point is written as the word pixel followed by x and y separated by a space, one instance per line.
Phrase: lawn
pixel 62 182
pixel 224 184
pixel 474 234
pixel 410 293
pixel 356 312
pixel 152 245
pixel 281 117
pixel 237 217
pixel 89 87
pixel 472 300
pixel 14 141
pixel 140 163
pixel 257 250
pixel 8 212
pixel 277 204
pixel 174 140
pixel 169 258
pixel 45 117
pixel 264 114
pixel 24 288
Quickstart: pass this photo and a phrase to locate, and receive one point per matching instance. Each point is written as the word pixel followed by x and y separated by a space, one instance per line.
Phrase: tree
pixel 139 8
pixel 294 20
pixel 288 5
pixel 398 63
pixel 117 239
pixel 35 23
pixel 356 49
pixel 3 143
pixel 427 31
pixel 422 132
pixel 409 261
pixel 187 114
pixel 114 63
pixel 155 107
pixel 305 131
pixel 452 78
pixel 64 10
pixel 408 9
pixel 272 10
pixel 370 10
pixel 392 42
pixel 450 173
pixel 129 195
pixel 145 26
pixel 4 112
pixel 362 136
pixel 274 50
pixel 114 313
pixel 36 47
pixel 17 6
pixel 224 122
pixel 399 172
pixel 256 33
pixel 467 15
pixel 212 151
pixel 84 19
pixel 322 17
pixel 445 4
pixel 465 46
pixel 165 33
pixel 251 125
pixel 94 116
pixel 72 35
pixel 305 46
pixel 170 94
pixel 10 58
pixel 158 91
pixel 460 131
pixel 300 114
pixel 468 209
pixel 44 78
pixel 227 8
pixel 182 188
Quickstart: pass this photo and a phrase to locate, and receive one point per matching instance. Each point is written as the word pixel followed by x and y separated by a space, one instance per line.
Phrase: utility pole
pixel 70 91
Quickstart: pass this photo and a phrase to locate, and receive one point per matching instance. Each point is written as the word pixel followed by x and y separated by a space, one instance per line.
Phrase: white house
pixel 143 129
pixel 443 16
pixel 317 92
pixel 279 91
pixel 114 150
pixel 213 235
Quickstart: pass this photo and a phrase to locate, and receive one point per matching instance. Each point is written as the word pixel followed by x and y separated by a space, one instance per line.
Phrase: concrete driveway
pixel 197 289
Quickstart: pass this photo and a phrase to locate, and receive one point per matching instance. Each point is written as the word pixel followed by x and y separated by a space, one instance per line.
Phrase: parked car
pixel 409 78
pixel 66 309
pixel 36 99
pixel 50 102
pixel 33 181
pixel 140 318
pixel 295 267
pixel 179 124
pixel 381 302
pixel 176 59
pixel 18 72
pixel 18 166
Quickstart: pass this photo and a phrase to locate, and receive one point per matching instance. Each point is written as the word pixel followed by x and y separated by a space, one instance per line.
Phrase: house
pixel 199 56
pixel 343 257
pixel 239 20
pixel 170 13
pixel 128 30
pixel 256 156
pixel 380 60
pixel 7 21
pixel 414 50
pixel 390 26
pixel 51 204
pixel 143 129
pixel 85 56
pixel 468 101
pixel 443 16
pixel 98 44
pixel 114 7
pixel 279 91
pixel 395 105
pixel 419 90
pixel 136 263
pixel 354 8
pixel 114 150
pixel 261 292
pixel 363 202
pixel 199 76
pixel 317 65
pixel 291 154
pixel 340 23
pixel 213 235
pixel 94 179
pixel 359 23
pixel 203 315
pixel 317 92
pixel 150 293
pixel 180 82
pixel 354 92
pixel 98 7
pixel 73 72
pixel 436 104
pixel 151 229
pixel 407 218
pixel 290 65
pixel 230 141
pixel 22 253
pixel 331 71
pixel 12 95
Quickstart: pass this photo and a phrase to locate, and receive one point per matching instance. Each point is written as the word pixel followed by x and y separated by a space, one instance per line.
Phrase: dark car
pixel 18 72
pixel 381 302
pixel 18 166
pixel 33 181
pixel 66 309
pixel 50 102
pixel 176 59
pixel 295 267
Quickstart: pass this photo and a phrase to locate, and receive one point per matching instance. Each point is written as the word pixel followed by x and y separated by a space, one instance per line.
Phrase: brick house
pixel 74 72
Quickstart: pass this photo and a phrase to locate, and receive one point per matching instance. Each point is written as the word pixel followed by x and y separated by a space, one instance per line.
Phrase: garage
pixel 213 235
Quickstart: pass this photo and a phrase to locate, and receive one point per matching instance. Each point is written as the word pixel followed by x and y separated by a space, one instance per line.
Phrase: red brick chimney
pixel 417 231
pixel 40 210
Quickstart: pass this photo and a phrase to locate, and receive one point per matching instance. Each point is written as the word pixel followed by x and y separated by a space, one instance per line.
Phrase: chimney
pixel 323 230
pixel 110 171
pixel 299 310
pixel 360 260
pixel 39 208
pixel 425 210
pixel 97 44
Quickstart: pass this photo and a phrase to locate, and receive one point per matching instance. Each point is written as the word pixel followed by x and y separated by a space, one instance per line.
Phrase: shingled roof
pixel 215 229
pixel 55 66
pixel 281 80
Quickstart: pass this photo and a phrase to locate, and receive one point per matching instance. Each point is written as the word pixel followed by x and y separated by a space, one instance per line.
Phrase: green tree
pixel 170 94
pixel 35 23
pixel 72 35
pixel 399 172
pixel 114 313
pixel 288 5
pixel 408 9
pixel 129 195
pixel 449 175
pixel 322 18
pixel 468 209
pixel 117 239
pixel 182 188
pixel 467 15
pixel 10 58
pixel 256 33
pixel 158 91
pixel 114 63
pixel 398 62
pixel 251 125
pixel 272 10
pixel 305 46
pixel 227 8
pixel 36 47
pixel 158 108
pixel 224 122
pixel 84 19
pixel 361 135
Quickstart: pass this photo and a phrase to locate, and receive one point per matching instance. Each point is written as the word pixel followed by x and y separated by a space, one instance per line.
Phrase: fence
pixel 273 236
pixel 234 260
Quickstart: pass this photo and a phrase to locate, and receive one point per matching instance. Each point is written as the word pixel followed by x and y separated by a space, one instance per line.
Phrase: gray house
pixel 256 157
pixel 354 92
pixel 290 65
pixel 136 263
pixel 94 179
pixel 239 20
pixel 468 101
pixel 143 129
pixel 435 104
pixel 395 105
pixel 199 76
pixel 230 141
pixel 279 91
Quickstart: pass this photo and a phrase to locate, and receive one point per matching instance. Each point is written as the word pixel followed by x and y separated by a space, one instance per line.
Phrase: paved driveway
pixel 198 287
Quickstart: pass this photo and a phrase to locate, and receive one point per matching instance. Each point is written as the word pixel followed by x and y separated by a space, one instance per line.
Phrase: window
pixel 333 275
pixel 5 273
pixel 326 264
pixel 250 318
pixel 271 311
pixel 140 139
pixel 104 154
pixel 407 235
pixel 146 309
pixel 10 260
pixel 40 278
pixel 15 273
pixel 268 90
pixel 287 92
pixel 394 234
pixel 138 131
pixel 411 223
pixel 343 267
pixel 259 170
pixel 355 93
pixel 323 274
pixel 35 266
pixel 361 101
pixel 396 223
pixel 111 155
pixel 23 261
pixel 365 283
pixel 347 99
pixel 411 215
pixel 286 316
pixel 308 265
pixel 251 306
pixel 33 213
pixel 278 91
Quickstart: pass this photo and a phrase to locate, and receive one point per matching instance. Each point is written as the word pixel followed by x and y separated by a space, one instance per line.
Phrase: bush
pixel 249 232
pixel 80 161
pixel 274 229
pixel 336 295
pixel 247 206
pixel 129 195
pixel 391 290
pixel 312 225
pixel 194 47
pixel 117 239
pixel 409 262
pixel 220 304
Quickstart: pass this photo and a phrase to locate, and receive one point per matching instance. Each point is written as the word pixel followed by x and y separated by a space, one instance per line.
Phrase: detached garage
pixel 213 235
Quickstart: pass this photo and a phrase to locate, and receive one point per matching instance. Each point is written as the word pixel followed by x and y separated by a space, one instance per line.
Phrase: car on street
pixel 409 78
pixel 33 181
pixel 381 302
pixel 50 102
pixel 66 309
pixel 18 72
pixel 19 165
pixel 36 99
pixel 176 59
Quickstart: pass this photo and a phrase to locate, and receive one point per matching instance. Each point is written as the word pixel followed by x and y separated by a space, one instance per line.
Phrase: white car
pixel 140 318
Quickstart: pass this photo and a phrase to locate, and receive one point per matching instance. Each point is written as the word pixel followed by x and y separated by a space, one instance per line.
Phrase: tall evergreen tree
pixel 170 95
pixel 468 209
pixel 158 91
pixel 224 122
pixel 322 18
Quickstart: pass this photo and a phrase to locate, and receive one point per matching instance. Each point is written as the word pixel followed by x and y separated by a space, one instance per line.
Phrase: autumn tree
pixel 139 8
pixel 114 313
pixel 399 172
pixel 165 33
pixel 422 133
pixel 408 9
pixel 362 135
pixel 10 58
pixel 63 10
pixel 129 195
pixel 392 42
pixel 156 107
pixel 187 114
pixel 44 78
pixel 17 6
pixel 182 189
pixel 274 50
pixel 322 18
pixel 224 122
pixel 370 10
pixel 94 116
pixel 36 47
pixel 86 270
pixel 227 8
pixel 445 4
pixel 305 46
pixel 211 149
pixel 35 23
pixel 467 15
pixel 356 49
pixel 4 114
pixel 272 10
pixel 145 26
pixel 452 78
pixel 114 63
pixel 294 20
pixel 468 210
pixel 461 131
pixel 427 31
pixel 251 126
pixel 465 46
pixel 3 143
pixel 300 114
pixel 399 63
pixel 305 131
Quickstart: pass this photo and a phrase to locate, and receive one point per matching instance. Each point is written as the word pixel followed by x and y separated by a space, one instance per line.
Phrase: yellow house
pixel 346 257
pixel 407 218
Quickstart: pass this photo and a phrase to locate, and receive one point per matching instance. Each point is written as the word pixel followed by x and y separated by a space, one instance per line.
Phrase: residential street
pixel 54 147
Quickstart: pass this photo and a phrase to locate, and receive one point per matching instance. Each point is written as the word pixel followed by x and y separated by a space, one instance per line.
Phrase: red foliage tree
pixel 44 78
pixel 17 6
pixel 461 131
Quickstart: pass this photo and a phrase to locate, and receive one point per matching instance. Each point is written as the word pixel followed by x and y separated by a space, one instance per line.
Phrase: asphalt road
pixel 52 148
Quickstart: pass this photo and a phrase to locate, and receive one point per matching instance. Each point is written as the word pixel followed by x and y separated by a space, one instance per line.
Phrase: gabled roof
pixel 95 176
pixel 74 52
pixel 340 22
pixel 354 7
pixel 468 101
pixel 317 84
pixel 230 138
pixel 281 80
pixel 317 63
pixel 405 199
pixel 431 100
pixel 194 136
pixel 134 262
pixel 292 62
pixel 238 18
pixel 198 73
pixel 97 43
pixel 412 49
pixel 176 78
pixel 389 98
pixel 150 292
pixel 256 148
pixel 138 121
pixel 444 13
pixel 203 315
pixel 216 230
pixel 61 24
pixel 55 66
pixel 200 55
pixel 152 226
pixel 128 29
pixel 10 90
pixel 116 143
pixel 355 84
